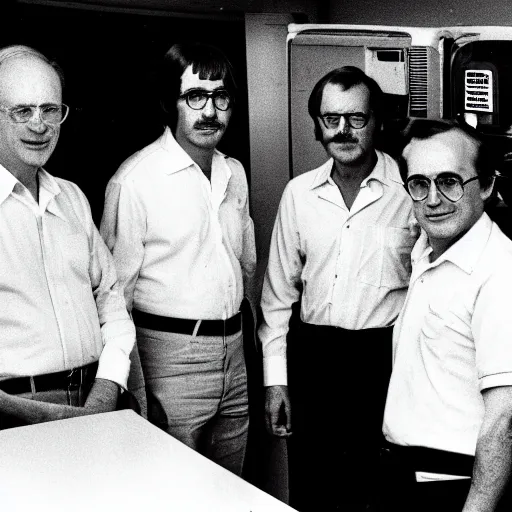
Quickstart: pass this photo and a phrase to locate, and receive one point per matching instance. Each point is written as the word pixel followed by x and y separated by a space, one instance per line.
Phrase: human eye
pixel 419 182
pixel 358 119
pixel 197 96
pixel 22 112
pixel 223 95
pixel 51 109
pixel 331 119
pixel 448 182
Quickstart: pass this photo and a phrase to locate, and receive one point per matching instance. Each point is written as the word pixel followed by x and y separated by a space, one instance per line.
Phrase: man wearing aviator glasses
pixel 341 245
pixel 448 416
pixel 177 221
pixel 65 334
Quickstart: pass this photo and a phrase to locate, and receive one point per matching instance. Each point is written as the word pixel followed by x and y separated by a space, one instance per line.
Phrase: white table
pixel 115 462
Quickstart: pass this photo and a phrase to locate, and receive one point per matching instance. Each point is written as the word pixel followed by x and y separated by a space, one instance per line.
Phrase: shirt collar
pixel 464 253
pixel 382 172
pixel 48 189
pixel 7 183
pixel 180 158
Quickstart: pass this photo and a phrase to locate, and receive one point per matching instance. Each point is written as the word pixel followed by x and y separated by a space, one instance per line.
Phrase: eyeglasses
pixel 197 99
pixel 49 113
pixel 356 120
pixel 449 185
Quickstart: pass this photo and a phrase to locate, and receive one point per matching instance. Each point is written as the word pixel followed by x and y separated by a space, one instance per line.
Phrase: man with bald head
pixel 65 334
pixel 448 414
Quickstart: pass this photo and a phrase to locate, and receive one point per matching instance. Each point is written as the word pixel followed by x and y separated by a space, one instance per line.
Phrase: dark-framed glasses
pixel 197 98
pixel 49 113
pixel 356 120
pixel 448 184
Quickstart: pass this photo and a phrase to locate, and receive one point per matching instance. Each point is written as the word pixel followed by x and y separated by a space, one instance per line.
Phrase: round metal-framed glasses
pixel 48 113
pixel 450 185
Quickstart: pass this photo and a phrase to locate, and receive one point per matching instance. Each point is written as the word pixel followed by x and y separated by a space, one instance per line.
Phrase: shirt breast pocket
pixel 386 257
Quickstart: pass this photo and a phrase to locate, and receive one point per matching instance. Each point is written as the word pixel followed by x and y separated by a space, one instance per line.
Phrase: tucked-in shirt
pixel 350 267
pixel 183 247
pixel 61 305
pixel 452 340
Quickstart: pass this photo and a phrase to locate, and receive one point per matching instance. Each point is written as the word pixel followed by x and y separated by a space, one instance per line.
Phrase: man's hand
pixel 278 411
pixel 102 397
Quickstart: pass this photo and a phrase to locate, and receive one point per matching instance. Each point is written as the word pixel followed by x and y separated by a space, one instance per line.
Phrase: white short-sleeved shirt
pixel 452 340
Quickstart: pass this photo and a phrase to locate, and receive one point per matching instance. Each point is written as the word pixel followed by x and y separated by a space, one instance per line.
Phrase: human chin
pixel 208 138
pixel 37 155
pixel 344 152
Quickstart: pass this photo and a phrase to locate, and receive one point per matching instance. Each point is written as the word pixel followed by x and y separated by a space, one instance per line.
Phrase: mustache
pixel 216 125
pixel 341 137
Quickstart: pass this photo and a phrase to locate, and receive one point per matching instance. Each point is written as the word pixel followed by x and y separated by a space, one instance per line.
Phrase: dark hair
pixel 208 61
pixel 17 50
pixel 346 77
pixel 485 161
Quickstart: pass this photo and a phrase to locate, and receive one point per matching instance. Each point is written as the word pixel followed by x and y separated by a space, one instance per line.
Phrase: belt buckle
pixel 73 386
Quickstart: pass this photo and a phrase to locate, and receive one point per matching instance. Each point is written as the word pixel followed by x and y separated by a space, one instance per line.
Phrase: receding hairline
pixel 472 142
pixel 11 54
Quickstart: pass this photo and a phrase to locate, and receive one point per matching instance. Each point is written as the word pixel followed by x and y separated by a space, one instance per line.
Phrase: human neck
pixel 440 246
pixel 28 178
pixel 203 157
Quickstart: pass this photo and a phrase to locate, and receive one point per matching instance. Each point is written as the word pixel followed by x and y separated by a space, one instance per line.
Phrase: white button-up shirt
pixel 183 247
pixel 352 267
pixel 452 340
pixel 61 306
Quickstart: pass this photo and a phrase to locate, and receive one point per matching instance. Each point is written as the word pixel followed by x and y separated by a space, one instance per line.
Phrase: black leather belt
pixel 431 460
pixel 51 381
pixel 185 326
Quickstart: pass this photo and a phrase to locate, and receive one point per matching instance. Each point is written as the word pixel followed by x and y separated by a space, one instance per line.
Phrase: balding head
pixel 18 50
pixel 27 79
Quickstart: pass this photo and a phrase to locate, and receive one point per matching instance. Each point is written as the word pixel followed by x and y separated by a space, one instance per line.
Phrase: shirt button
pixel 348 225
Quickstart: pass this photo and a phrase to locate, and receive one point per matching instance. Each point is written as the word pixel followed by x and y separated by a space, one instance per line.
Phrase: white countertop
pixel 117 462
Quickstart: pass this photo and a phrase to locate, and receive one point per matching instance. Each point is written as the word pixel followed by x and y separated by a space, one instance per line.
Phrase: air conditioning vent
pixel 418 81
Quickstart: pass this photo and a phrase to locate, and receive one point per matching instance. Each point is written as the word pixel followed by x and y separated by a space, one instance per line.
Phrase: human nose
pixel 209 109
pixel 343 125
pixel 36 122
pixel 433 198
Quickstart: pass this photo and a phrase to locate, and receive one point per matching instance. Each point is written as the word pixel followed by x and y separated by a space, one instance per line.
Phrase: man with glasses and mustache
pixel 341 245
pixel 448 415
pixel 177 221
pixel 65 333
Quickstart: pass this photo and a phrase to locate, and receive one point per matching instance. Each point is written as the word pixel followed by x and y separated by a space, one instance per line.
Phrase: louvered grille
pixel 418 81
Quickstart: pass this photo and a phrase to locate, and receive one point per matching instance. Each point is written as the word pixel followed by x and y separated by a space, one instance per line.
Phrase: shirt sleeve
pixel 492 333
pixel 248 258
pixel 123 227
pixel 117 329
pixel 281 289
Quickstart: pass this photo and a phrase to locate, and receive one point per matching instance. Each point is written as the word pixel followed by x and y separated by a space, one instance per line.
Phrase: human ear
pixel 485 193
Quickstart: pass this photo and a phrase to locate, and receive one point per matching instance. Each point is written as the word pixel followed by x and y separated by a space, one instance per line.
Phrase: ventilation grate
pixel 418 81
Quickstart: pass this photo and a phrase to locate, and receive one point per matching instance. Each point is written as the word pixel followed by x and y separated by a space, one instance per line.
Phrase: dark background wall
pixel 109 61
pixel 421 13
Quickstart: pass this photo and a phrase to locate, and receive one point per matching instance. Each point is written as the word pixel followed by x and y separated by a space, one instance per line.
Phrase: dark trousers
pixel 338 382
pixel 398 490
